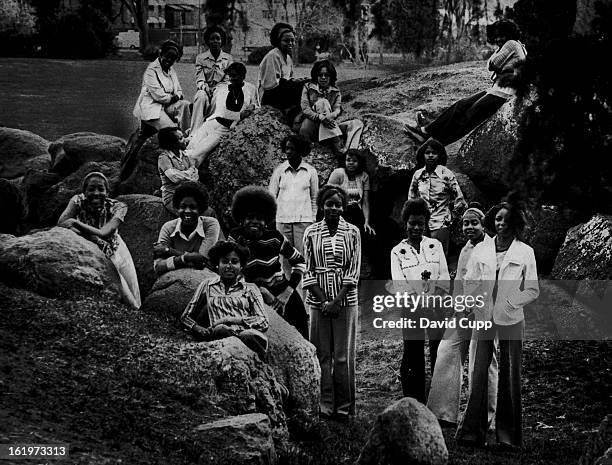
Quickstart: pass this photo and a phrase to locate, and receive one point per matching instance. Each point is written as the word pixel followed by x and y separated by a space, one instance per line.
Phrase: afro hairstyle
pixel 253 200
pixel 210 31
pixel 415 207
pixel 516 219
pixel 301 144
pixel 331 69
pixel 222 248
pixel 191 189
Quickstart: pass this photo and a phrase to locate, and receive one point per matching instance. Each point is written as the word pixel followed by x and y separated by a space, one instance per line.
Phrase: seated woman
pixel 321 107
pixel 210 70
pixel 438 186
pixel 254 208
pixel 276 85
pixel 232 102
pixel 95 216
pixel 160 104
pixel 464 115
pixel 356 183
pixel 226 305
pixel 186 241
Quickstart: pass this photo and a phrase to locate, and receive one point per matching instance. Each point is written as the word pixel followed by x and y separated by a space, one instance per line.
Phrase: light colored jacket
pixel 274 67
pixel 210 71
pixel 517 282
pixel 157 90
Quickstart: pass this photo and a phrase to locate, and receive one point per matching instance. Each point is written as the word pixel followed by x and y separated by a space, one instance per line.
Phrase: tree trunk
pixel 380 53
pixel 357 43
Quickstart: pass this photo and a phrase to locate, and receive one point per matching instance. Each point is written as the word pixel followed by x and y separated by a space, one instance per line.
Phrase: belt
pixel 321 270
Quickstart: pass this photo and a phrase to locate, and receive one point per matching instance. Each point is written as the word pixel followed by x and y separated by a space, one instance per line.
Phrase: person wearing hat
pixel 276 85
pixel 465 114
pixel 210 69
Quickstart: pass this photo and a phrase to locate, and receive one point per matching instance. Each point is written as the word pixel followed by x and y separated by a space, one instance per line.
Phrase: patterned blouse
pixel 112 209
pixel 332 261
pixel 355 187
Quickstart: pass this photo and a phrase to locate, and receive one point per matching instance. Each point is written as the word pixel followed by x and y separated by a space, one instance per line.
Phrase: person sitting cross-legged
pixel 227 305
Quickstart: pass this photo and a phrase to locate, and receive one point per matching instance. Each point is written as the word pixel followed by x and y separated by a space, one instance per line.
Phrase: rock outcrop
pixel 145 176
pixel 57 263
pixel 34 185
pixel 72 151
pixel 14 207
pixel 17 148
pixel 405 432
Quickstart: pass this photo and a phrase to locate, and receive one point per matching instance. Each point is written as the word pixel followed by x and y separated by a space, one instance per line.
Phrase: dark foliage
pixel 306 55
pixel 258 54
pixel 414 24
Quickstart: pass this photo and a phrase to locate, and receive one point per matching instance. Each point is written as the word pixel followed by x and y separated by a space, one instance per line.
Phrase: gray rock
pixel 71 151
pixel 599 444
pixel 57 263
pixel 34 185
pixel 53 202
pixel 145 176
pixel 241 440
pixel 41 162
pixel 17 147
pixel 405 433
pixel 586 252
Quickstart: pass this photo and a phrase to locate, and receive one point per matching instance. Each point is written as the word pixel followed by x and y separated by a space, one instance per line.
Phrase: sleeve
pixel 270 71
pixel 211 233
pixel 258 319
pixel 119 210
pixel 310 278
pixel 163 265
pixel 413 191
pixel 531 288
pixel 365 181
pixel 336 177
pixel 456 194
pixel 472 280
pixel 178 90
pixel 351 274
pixel 194 307
pixel 71 210
pixel 499 59
pixel 199 73
pixel 337 106
pixel 157 92
pixel 306 108
pixel 444 278
pixel 296 260
pixel 314 191
pixel 274 186
pixel 176 175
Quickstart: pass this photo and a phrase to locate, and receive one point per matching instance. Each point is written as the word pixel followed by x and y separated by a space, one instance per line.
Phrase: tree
pixel 139 9
pixel 382 28
pixel 16 17
pixel 353 24
pixel 499 12
pixel 415 24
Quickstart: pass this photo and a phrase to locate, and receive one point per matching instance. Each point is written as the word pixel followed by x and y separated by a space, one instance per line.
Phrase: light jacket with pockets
pixel 156 93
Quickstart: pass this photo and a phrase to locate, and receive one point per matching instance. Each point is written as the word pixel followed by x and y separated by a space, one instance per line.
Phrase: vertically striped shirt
pixel 264 266
pixel 242 300
pixel 332 261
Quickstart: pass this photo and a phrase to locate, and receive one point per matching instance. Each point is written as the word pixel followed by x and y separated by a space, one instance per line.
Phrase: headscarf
pixel 476 211
pixel 95 174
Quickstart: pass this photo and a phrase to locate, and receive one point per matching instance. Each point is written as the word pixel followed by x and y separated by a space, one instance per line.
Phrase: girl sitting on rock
pixel 227 305
pixel 95 216
pixel 321 107
pixel 254 209
pixel 186 241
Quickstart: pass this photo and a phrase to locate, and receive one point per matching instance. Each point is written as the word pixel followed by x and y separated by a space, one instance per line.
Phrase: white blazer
pixel 517 282
pixel 157 90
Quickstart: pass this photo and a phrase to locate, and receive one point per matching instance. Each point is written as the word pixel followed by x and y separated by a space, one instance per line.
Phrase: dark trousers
pixel 508 418
pixel 286 97
pixel 412 369
pixel 128 162
pixel 463 116
pixel 296 315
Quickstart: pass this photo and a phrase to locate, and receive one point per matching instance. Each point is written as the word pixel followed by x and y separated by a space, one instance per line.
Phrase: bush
pixel 258 54
pixel 306 55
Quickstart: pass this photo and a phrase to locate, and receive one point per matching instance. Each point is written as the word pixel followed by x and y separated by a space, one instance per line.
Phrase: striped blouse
pixel 332 261
pixel 242 299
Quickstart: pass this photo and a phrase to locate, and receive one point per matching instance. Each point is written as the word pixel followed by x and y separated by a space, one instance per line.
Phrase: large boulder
pixel 14 206
pixel 34 185
pixel 41 162
pixel 71 151
pixel 140 231
pixel 17 147
pixel 292 358
pixel 241 439
pixel 406 432
pixel 586 252
pixel 53 202
pixel 57 263
pixel 144 178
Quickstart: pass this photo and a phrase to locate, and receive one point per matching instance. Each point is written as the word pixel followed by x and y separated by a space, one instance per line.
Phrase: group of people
pixel 297 247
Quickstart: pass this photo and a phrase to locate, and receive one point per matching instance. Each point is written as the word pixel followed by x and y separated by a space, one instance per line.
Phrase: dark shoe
pixel 447 424
pixel 420 119
pixel 416 134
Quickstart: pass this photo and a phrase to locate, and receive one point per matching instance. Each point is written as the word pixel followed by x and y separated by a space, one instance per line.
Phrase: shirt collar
pixel 199 230
pixel 287 166
pixel 438 170
pixel 240 282
pixel 207 55
pixel 316 87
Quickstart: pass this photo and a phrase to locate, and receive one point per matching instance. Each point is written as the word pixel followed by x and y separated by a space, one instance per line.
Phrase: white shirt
pixel 295 191
pixel 220 96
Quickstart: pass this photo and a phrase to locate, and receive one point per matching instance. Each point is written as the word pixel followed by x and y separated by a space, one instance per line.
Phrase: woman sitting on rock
pixel 438 185
pixel 210 70
pixel 186 241
pixel 321 107
pixel 276 85
pixel 353 178
pixel 332 249
pixel 227 305
pixel 160 104
pixel 232 102
pixel 464 115
pixel 254 209
pixel 95 216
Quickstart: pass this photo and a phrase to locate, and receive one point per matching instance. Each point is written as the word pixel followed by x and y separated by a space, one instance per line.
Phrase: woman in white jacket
pixel 504 271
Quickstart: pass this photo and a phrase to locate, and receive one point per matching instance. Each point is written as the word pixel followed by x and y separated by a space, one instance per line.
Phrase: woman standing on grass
pixel 438 186
pixel 503 270
pixel 95 216
pixel 443 399
pixel 332 249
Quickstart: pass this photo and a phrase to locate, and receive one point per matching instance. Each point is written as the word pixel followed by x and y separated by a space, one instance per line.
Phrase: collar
pixel 315 86
pixel 240 282
pixel 199 230
pixel 157 65
pixel 208 56
pixel 514 254
pixel 287 166
pixel 438 170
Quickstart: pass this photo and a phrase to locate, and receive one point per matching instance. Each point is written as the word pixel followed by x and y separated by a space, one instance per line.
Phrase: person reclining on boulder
pixel 232 102
pixel 254 209
pixel 321 107
pixel 227 305
pixel 466 114
pixel 160 103
pixel 96 217
pixel 186 241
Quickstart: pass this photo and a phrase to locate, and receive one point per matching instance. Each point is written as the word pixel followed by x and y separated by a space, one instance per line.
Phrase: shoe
pixel 420 119
pixel 416 134
pixel 447 424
